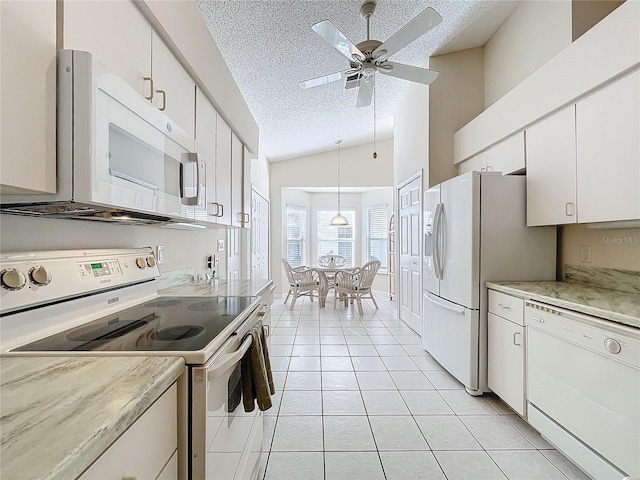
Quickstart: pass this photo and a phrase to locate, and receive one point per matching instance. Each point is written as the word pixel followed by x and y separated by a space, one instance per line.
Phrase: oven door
pixel 226 441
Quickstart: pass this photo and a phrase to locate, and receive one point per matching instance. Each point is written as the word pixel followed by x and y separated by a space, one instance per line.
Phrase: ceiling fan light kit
pixel 371 56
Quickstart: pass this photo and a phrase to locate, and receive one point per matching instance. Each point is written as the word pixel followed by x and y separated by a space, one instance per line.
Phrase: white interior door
pixel 409 230
pixel 259 236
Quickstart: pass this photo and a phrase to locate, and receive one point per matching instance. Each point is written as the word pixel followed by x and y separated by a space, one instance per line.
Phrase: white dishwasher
pixel 583 384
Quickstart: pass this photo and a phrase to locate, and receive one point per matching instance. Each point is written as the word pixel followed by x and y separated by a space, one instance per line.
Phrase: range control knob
pixel 12 279
pixel 40 275
pixel 612 345
pixel 141 262
pixel 151 261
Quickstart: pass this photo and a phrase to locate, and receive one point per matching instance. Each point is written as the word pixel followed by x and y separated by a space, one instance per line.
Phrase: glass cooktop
pixel 164 324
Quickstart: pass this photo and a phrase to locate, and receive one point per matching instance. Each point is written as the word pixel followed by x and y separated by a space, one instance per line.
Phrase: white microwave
pixel 119 158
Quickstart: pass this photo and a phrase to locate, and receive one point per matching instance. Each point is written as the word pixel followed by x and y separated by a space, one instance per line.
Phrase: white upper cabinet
pixel 237 198
pixel 507 156
pixel 223 172
pixel 174 89
pixel 247 207
pixel 608 143
pixel 205 137
pixel 116 33
pixel 119 36
pixel 28 97
pixel 551 170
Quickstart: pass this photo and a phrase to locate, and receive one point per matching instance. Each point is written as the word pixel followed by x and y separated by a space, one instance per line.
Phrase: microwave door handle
pixel 192 163
pixel 129 178
pixel 229 359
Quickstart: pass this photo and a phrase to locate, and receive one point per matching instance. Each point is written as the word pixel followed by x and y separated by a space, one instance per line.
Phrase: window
pixel 336 240
pixel 296 235
pixel 377 234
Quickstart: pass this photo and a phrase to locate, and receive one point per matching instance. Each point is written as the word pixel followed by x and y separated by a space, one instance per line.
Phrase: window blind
pixel 335 240
pixel 296 235
pixel 377 232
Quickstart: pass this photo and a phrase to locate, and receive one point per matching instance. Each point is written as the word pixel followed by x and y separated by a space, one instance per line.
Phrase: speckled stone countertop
pixel 219 288
pixel 58 414
pixel 614 305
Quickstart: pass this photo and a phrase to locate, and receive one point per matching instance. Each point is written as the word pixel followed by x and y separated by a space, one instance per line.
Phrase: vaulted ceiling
pixel 269 47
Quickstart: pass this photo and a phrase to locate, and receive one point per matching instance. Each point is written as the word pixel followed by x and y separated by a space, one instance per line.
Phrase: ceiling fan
pixel 372 56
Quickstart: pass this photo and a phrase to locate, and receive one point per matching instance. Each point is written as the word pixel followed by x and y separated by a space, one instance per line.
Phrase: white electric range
pixel 105 302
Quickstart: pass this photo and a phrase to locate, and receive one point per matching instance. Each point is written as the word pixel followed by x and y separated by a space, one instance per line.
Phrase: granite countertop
pixel 219 288
pixel 58 414
pixel 614 305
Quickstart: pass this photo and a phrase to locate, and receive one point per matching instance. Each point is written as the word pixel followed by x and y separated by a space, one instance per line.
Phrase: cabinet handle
pixel 221 214
pixel 569 209
pixel 504 306
pixel 245 216
pixel 164 99
pixel 150 80
pixel 129 477
pixel 515 336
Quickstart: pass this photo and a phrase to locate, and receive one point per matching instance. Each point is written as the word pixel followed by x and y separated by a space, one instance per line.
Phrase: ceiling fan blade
pixel 314 82
pixel 413 30
pixel 330 33
pixel 365 92
pixel 408 72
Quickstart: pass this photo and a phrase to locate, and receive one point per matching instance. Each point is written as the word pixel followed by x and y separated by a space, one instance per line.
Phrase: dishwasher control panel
pixel 602 336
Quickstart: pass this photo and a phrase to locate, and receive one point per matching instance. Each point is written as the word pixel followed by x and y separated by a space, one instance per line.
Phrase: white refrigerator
pixel 475 231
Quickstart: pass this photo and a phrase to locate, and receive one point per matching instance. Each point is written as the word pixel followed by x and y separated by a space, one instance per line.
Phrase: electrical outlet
pixel 585 253
pixel 210 262
pixel 160 254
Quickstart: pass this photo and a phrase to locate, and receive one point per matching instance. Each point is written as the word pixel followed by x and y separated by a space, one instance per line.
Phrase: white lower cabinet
pixel 506 350
pixel 147 450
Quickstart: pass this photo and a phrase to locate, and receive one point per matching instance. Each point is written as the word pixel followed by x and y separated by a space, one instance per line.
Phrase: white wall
pixel 183 249
pixel 411 134
pixel 357 169
pixel 260 174
pixel 535 32
pixel 455 98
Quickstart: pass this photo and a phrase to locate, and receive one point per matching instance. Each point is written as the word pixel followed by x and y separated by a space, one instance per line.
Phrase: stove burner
pixel 163 303
pixel 180 332
pixel 113 329
pixel 207 307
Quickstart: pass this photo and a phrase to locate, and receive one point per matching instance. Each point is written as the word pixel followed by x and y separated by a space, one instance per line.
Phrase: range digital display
pixel 96 265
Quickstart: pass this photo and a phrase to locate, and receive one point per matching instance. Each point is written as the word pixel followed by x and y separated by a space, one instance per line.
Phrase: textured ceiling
pixel 269 47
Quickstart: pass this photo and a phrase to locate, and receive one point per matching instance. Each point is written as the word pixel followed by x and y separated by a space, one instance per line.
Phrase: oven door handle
pixel 229 359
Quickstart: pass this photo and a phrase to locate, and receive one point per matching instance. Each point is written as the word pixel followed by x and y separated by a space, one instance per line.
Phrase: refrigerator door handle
pixel 439 241
pixel 447 305
pixel 436 252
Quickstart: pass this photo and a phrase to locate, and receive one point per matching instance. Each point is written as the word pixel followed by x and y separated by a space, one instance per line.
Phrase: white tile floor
pixel 358 398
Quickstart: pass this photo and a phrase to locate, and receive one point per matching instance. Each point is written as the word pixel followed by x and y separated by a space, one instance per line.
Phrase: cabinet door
pixel 145 448
pixel 505 367
pixel 28 97
pixel 608 142
pixel 174 88
pixel 477 163
pixel 205 137
pixel 237 198
pixel 246 189
pixel 551 170
pixel 223 170
pixel 116 33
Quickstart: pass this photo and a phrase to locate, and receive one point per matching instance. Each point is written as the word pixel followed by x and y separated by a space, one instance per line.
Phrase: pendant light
pixel 339 220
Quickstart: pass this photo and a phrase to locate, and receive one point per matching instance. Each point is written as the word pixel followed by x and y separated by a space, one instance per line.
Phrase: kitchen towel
pixel 257 379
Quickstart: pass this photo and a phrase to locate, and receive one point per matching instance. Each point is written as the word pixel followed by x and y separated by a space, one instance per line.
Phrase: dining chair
pixel 302 281
pixel 355 285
